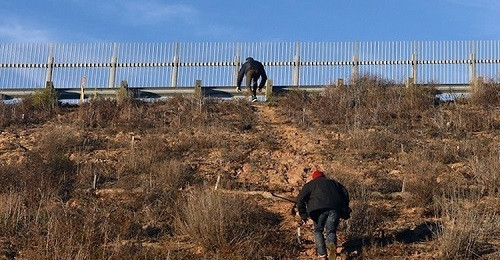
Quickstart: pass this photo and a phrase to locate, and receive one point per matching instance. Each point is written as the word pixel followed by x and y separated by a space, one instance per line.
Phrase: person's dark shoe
pixel 254 99
pixel 238 89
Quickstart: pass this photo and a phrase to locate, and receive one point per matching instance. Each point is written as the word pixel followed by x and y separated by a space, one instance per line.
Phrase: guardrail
pixel 83 93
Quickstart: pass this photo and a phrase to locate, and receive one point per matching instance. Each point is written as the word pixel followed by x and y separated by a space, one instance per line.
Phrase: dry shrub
pixel 486 170
pixel 486 95
pixel 422 183
pixel 44 99
pixel 296 105
pixel 87 227
pixel 25 113
pixel 178 113
pixel 459 120
pixel 12 213
pixel 111 113
pixel 368 102
pixel 170 175
pixel 467 229
pixel 377 144
pixel 230 225
pixel 47 168
pixel 365 219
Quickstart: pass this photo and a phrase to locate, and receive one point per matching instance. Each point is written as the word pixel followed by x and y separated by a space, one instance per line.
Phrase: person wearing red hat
pixel 325 201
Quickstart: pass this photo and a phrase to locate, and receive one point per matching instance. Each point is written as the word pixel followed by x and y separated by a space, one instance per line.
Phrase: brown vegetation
pixel 127 179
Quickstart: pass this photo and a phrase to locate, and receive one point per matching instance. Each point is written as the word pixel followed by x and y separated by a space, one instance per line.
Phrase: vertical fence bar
pixel 414 62
pixel 112 70
pixel 50 64
pixel 355 60
pixel 236 64
pixel 472 63
pixel 296 66
pixel 175 67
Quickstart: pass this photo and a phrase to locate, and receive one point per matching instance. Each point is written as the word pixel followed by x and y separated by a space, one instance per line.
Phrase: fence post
pixel 236 69
pixel 472 66
pixel 355 60
pixel 175 68
pixel 409 82
pixel 197 87
pixel 478 83
pixel 269 89
pixel 414 63
pixel 296 66
pixel 112 70
pixel 340 82
pixel 83 85
pixel 50 64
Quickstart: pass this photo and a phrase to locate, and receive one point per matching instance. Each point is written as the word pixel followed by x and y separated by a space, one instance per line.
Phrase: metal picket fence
pixel 27 65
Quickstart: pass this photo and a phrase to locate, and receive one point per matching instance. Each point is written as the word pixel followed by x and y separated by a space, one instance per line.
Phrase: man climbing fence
pixel 252 70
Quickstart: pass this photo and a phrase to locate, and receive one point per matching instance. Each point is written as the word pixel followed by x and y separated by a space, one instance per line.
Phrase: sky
pixel 43 21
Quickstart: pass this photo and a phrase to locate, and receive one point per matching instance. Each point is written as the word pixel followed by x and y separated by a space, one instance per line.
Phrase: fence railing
pixel 216 64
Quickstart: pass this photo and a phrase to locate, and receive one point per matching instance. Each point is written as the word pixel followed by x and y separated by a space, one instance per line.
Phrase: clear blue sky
pixel 247 21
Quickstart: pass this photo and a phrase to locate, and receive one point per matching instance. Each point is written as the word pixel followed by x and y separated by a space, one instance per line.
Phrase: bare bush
pixel 486 95
pixel 467 229
pixel 486 170
pixel 368 102
pixel 365 220
pixel 377 144
pixel 229 224
pixel 25 113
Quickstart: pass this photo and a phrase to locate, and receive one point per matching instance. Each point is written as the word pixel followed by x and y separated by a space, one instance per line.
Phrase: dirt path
pixel 289 167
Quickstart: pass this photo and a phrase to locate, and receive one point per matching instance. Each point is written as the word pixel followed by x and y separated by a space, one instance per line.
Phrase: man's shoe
pixel 238 89
pixel 254 99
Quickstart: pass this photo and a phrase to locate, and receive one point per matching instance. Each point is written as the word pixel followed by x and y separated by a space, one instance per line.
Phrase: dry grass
pixel 487 95
pixel 147 191
pixel 231 225
pixel 369 102
pixel 467 229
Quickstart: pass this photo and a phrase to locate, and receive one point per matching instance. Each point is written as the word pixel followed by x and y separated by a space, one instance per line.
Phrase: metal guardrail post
pixel 296 66
pixel 410 82
pixel 197 87
pixel 175 68
pixel 269 89
pixel 112 70
pixel 83 85
pixel 340 82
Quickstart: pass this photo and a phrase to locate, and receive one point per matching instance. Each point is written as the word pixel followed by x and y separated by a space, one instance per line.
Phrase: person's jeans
pixel 327 221
pixel 252 76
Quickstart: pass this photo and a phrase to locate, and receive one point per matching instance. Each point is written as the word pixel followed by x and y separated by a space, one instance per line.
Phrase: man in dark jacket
pixel 325 201
pixel 252 70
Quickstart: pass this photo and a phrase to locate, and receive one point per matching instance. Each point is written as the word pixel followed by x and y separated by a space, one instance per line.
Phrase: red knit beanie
pixel 317 174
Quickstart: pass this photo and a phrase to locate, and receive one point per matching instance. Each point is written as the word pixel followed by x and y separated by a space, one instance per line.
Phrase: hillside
pixel 124 179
